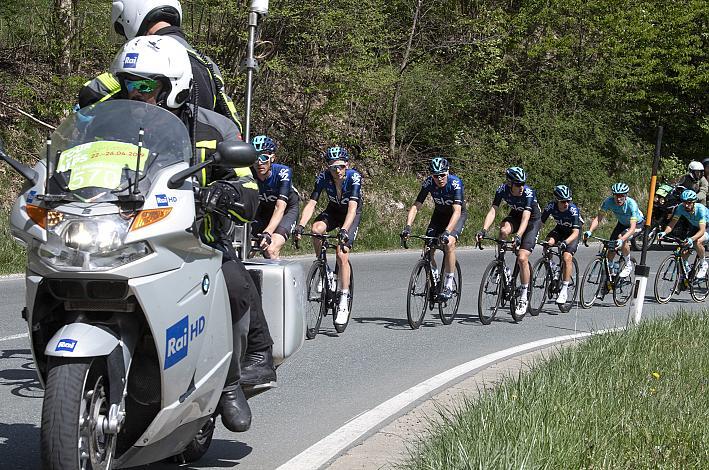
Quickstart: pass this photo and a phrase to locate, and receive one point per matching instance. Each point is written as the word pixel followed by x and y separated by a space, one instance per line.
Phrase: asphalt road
pixel 333 378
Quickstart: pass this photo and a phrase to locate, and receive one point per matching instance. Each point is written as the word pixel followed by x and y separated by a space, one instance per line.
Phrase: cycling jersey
pixel 276 186
pixel 443 198
pixel 351 191
pixel 526 202
pixel 568 219
pixel 697 217
pixel 627 213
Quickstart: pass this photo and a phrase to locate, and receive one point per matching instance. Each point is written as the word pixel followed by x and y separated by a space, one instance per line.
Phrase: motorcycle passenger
pixel 524 220
pixel 448 217
pixel 278 209
pixel 630 222
pixel 156 70
pixel 343 186
pixel 696 214
pixel 568 228
pixel 695 180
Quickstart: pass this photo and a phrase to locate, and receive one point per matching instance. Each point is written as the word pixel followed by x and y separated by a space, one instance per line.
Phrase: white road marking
pixel 323 451
pixel 8 338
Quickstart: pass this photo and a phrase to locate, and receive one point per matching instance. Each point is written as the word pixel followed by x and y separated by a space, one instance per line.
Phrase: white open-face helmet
pixel 159 58
pixel 131 18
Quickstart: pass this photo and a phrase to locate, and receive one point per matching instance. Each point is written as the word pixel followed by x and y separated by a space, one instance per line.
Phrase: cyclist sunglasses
pixel 145 85
pixel 264 158
pixel 337 167
pixel 439 175
pixel 515 183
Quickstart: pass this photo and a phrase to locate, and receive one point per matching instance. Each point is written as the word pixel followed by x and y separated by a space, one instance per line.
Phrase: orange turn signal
pixel 149 216
pixel 37 214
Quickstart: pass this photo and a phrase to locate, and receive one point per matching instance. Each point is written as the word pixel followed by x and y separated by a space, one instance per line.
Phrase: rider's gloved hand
pixel 689 242
pixel 406 232
pixel 619 244
pixel 265 239
pixel 518 241
pixel 481 234
pixel 444 237
pixel 661 235
pixel 562 246
pixel 298 231
pixel 218 196
pixel 342 236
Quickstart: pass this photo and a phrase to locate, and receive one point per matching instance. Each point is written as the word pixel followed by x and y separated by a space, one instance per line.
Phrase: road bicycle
pixel 498 287
pixel 599 278
pixel 547 278
pixel 425 288
pixel 321 286
pixel 676 275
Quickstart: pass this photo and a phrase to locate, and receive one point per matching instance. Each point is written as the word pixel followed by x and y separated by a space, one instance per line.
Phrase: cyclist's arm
pixel 574 235
pixel 671 225
pixel 277 216
pixel 412 213
pixel 631 230
pixel 595 221
pixel 455 217
pixel 308 212
pixel 523 223
pixel 351 213
pixel 490 217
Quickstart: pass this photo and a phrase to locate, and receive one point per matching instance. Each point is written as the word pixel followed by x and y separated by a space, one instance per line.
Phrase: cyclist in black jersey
pixel 568 228
pixel 448 217
pixel 524 220
pixel 344 209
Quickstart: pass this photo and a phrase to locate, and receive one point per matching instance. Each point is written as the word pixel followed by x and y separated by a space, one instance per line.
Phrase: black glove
pixel 343 236
pixel 406 232
pixel 481 234
pixel 518 241
pixel 562 246
pixel 298 231
pixel 443 238
pixel 266 237
pixel 219 197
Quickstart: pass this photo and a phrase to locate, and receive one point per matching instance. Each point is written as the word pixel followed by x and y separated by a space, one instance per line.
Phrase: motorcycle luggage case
pixel 282 287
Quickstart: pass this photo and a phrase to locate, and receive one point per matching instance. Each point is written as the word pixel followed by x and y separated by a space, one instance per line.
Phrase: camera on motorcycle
pixel 235 154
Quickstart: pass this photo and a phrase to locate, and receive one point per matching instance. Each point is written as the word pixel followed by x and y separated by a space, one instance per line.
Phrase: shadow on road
pixel 19 446
pixel 392 323
pixel 23 382
pixel 221 454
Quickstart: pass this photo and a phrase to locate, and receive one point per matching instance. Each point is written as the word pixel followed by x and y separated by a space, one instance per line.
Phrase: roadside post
pixel 257 10
pixel 642 271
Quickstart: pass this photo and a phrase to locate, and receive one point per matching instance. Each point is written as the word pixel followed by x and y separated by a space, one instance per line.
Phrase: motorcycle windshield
pixel 96 154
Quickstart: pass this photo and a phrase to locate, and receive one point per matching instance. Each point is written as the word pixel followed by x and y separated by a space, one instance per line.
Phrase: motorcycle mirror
pixel 235 154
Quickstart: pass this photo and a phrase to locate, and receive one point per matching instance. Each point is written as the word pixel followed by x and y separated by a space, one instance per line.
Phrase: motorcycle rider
pixel 695 180
pixel 135 18
pixel 156 70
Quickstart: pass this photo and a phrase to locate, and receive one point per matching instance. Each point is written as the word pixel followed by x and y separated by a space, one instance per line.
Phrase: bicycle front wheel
pixel 699 288
pixel 623 286
pixel 666 280
pixel 316 289
pixel 592 283
pixel 573 288
pixel 490 292
pixel 449 308
pixel 539 286
pixel 417 297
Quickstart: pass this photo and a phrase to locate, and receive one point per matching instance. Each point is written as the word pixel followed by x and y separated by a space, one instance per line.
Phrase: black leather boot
pixel 235 411
pixel 257 368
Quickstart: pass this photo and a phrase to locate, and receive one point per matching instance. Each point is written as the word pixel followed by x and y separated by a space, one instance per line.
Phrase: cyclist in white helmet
pixel 696 214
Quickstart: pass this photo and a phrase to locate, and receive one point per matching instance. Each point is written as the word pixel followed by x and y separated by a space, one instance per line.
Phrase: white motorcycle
pixel 127 309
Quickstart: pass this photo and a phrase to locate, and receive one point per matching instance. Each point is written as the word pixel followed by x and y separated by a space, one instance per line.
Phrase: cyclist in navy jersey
pixel 278 207
pixel 524 220
pixel 448 217
pixel 566 233
pixel 343 188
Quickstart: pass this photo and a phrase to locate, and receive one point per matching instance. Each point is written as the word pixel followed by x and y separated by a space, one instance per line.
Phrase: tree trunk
pixel 64 33
pixel 400 80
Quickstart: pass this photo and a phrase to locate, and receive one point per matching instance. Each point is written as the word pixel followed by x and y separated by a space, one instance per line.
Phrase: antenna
pixel 141 133
pixel 49 161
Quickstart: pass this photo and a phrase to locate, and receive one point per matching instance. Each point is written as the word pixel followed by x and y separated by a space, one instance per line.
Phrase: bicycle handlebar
pixel 404 240
pixel 479 244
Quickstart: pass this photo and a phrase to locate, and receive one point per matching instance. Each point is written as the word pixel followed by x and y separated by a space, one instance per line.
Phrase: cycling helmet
pixel 562 193
pixel 263 143
pixel 705 162
pixel 688 196
pixel 438 165
pixel 158 58
pixel 132 18
pixel 516 174
pixel 620 188
pixel 336 153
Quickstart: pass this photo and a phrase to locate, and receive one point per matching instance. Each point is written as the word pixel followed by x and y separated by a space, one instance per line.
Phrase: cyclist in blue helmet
pixel 566 233
pixel 278 209
pixel 343 187
pixel 524 220
pixel 696 214
pixel 630 221
pixel 449 215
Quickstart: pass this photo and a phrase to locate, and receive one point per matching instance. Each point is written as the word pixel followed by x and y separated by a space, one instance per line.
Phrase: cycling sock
pixel 523 290
pixel 449 280
pixel 343 297
pixel 564 285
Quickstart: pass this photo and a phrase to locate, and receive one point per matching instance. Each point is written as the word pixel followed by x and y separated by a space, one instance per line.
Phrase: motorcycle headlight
pixel 76 243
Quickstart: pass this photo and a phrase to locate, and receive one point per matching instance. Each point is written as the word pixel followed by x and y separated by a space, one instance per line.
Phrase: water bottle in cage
pixel 331 281
pixel 555 270
pixel 508 274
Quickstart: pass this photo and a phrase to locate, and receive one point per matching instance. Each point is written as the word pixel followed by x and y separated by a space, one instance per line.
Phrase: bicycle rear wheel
pixel 699 288
pixel 490 292
pixel 623 286
pixel 417 297
pixel 539 286
pixel 592 282
pixel 315 306
pixel 572 289
pixel 666 280
pixel 340 328
pixel 449 308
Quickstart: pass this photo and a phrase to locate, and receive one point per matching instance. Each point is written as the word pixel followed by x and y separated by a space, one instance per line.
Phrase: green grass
pixel 12 256
pixel 635 399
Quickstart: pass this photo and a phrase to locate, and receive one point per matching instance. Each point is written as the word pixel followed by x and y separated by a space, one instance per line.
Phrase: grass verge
pixel 634 399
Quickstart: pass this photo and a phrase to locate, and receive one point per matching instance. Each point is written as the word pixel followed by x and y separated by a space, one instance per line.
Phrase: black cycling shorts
pixel 439 222
pixel 334 220
pixel 559 234
pixel 529 239
pixel 287 224
pixel 621 229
